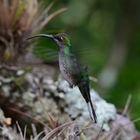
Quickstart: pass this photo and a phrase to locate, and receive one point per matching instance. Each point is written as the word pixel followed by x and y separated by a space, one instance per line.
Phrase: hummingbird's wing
pixel 75 68
pixel 70 68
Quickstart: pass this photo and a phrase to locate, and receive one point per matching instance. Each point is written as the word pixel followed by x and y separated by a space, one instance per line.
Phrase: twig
pixel 61 132
pixel 12 68
pixel 127 104
pixel 20 131
pixel 93 79
pixel 126 125
pixel 54 132
pixel 4 41
pixel 34 130
pixel 73 133
pixel 100 131
pixel 26 115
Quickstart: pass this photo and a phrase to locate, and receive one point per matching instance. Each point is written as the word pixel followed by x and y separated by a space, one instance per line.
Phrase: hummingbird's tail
pixel 84 88
pixel 92 111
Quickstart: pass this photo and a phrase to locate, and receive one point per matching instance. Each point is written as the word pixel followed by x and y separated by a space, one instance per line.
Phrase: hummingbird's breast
pixel 65 65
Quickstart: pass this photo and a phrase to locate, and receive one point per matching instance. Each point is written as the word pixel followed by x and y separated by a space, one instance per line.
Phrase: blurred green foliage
pixel 96 27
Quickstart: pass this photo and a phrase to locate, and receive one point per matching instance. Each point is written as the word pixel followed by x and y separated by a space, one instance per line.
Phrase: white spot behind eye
pixel 60 39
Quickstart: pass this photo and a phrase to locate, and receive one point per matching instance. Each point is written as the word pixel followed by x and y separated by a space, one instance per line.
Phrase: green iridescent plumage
pixel 71 69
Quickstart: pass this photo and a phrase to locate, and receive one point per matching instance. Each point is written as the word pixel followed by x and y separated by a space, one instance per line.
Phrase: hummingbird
pixel 71 69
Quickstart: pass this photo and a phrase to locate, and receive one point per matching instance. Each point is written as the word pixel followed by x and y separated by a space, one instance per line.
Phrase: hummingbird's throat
pixel 67 50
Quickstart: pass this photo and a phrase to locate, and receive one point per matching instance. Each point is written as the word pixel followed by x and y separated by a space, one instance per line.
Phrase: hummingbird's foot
pixel 71 86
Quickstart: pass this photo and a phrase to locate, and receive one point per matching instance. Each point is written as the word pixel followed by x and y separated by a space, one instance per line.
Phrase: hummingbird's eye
pixel 61 38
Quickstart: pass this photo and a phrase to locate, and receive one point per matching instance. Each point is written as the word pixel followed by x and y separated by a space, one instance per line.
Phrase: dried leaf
pixel 52 121
pixel 8 121
pixel 50 17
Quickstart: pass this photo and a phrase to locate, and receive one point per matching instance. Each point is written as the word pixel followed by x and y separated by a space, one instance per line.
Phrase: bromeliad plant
pixel 19 19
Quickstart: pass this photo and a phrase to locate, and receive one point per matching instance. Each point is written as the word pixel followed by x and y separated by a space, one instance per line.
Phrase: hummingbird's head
pixel 61 39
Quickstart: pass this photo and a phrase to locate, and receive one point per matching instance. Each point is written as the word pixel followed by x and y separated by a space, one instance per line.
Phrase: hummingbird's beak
pixel 41 35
